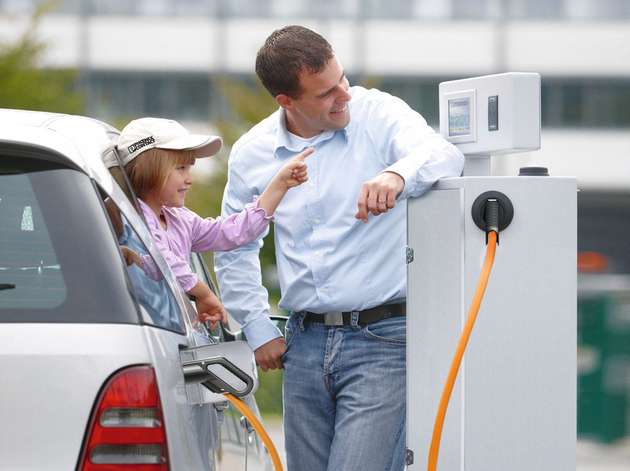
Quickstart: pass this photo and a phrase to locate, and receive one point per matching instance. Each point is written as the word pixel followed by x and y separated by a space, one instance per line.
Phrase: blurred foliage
pixel 269 393
pixel 249 103
pixel 24 85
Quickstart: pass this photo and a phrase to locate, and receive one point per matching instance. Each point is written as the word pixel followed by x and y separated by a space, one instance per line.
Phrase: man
pixel 340 249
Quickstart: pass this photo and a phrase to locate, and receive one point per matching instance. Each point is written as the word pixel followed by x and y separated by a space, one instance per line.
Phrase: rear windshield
pixel 58 258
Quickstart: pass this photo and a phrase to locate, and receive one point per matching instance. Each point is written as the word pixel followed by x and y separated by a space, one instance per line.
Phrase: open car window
pixel 158 305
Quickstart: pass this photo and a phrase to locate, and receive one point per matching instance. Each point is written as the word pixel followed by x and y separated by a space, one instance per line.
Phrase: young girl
pixel 158 155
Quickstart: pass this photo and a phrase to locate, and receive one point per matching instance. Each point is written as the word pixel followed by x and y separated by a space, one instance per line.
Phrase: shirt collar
pixel 285 145
pixel 151 219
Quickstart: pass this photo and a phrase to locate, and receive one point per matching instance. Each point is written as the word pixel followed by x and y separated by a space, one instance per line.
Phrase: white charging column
pixel 514 403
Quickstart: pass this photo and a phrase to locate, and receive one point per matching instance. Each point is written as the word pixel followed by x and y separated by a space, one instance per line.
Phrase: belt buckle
pixel 333 318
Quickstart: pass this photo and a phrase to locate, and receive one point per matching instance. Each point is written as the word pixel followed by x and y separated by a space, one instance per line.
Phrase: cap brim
pixel 202 146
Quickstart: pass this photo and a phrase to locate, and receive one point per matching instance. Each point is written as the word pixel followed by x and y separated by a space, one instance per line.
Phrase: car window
pixel 58 262
pixel 158 304
pixel 31 268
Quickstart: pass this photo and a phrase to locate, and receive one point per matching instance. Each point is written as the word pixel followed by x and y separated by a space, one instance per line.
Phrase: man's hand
pixel 378 195
pixel 269 355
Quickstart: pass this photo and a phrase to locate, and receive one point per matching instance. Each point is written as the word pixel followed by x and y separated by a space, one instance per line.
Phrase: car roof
pixel 82 141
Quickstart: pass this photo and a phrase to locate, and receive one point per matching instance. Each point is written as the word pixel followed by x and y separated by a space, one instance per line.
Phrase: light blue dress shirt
pixel 327 259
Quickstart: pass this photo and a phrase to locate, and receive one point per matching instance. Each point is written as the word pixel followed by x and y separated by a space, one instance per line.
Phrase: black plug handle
pixel 492 211
pixel 198 371
pixel 491 215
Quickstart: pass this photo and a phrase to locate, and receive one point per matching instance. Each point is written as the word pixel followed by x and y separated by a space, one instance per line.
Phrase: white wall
pixel 378 47
pixel 598 158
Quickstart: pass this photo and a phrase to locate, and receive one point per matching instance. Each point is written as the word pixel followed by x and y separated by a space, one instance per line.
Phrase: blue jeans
pixel 344 396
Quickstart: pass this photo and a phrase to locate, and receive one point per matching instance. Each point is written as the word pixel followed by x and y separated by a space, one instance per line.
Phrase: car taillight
pixel 127 427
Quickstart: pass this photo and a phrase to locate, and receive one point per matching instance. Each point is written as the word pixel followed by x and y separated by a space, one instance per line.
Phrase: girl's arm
pixel 293 173
pixel 209 308
pixel 235 230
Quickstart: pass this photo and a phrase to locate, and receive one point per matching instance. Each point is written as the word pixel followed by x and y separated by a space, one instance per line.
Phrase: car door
pixel 239 444
pixel 192 425
pixel 239 448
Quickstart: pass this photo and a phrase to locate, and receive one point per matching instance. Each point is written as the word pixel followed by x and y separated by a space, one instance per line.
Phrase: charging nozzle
pixel 492 211
pixel 492 217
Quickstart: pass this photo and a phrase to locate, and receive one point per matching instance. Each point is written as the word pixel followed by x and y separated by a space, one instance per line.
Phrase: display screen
pixel 459 117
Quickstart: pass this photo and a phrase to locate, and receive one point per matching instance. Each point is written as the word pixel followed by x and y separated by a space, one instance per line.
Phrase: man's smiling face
pixel 322 104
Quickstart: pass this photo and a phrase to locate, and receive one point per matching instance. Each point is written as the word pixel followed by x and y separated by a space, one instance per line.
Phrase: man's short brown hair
pixel 287 52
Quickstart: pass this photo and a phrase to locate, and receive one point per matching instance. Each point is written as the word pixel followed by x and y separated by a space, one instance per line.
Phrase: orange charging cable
pixel 258 426
pixel 461 348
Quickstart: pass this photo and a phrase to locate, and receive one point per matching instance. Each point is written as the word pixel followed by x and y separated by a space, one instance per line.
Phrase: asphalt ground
pixel 590 456
pixel 593 456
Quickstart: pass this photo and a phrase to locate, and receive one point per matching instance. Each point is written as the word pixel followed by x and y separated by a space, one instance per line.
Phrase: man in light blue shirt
pixel 340 249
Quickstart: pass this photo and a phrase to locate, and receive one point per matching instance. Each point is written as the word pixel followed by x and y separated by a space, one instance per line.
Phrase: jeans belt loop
pixel 333 318
pixel 301 316
pixel 354 319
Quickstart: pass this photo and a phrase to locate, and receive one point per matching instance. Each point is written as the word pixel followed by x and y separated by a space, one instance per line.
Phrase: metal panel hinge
pixel 409 457
pixel 409 255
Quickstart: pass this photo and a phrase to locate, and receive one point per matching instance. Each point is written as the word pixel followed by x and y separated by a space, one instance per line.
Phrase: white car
pixel 92 352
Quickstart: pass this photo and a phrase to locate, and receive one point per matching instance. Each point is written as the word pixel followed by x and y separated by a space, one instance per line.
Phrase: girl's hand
pixel 291 174
pixel 209 308
pixel 294 172
pixel 130 256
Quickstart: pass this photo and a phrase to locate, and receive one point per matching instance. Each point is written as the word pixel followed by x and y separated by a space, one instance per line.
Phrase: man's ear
pixel 284 101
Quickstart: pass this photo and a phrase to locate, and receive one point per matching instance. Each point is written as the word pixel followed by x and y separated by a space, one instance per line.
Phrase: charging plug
pixel 491 215
pixel 492 211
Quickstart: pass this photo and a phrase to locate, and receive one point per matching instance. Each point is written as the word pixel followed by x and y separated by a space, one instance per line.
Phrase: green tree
pixel 25 85
pixel 249 103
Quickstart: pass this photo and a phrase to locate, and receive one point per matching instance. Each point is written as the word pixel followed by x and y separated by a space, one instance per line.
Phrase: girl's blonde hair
pixel 148 172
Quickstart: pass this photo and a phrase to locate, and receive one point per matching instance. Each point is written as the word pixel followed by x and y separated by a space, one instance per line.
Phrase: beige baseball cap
pixel 158 133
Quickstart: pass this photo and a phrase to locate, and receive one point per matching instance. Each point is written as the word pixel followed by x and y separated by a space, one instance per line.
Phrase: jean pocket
pixel 291 329
pixel 392 331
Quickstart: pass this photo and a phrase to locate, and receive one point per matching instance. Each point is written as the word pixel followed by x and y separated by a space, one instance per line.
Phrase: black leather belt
pixel 366 317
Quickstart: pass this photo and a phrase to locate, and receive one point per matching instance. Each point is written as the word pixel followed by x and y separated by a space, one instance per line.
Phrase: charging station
pixel 513 407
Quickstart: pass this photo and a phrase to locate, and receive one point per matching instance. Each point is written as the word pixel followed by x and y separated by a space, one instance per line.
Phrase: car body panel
pixel 51 376
pixel 53 372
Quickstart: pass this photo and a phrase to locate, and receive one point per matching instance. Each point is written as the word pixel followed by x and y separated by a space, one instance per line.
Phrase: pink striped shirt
pixel 187 232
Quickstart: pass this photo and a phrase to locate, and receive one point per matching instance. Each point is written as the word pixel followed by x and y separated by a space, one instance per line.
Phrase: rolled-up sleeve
pixel 412 149
pixel 180 267
pixel 239 275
